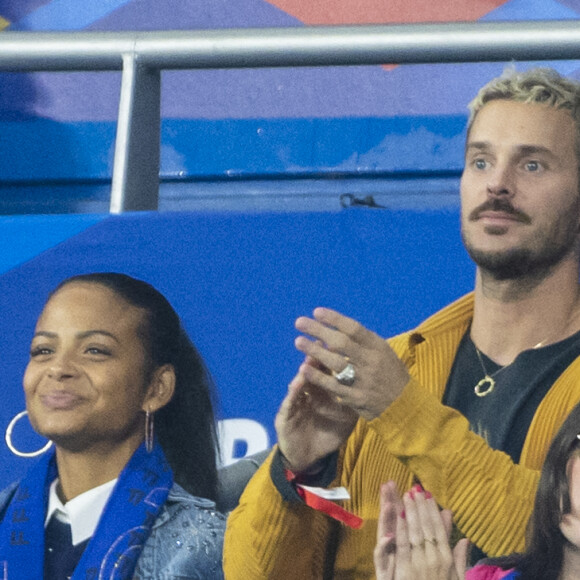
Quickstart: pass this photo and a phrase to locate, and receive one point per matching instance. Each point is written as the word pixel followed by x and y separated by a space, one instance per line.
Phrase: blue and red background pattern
pixel 228 127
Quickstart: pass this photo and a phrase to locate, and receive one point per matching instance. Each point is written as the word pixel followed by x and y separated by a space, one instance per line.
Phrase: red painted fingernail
pixel 428 495
pixel 403 514
pixel 417 488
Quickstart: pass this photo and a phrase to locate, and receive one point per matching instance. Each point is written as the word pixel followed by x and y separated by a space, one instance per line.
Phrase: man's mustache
pixel 500 204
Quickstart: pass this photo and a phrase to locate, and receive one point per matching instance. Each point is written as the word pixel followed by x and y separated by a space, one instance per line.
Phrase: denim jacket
pixel 185 543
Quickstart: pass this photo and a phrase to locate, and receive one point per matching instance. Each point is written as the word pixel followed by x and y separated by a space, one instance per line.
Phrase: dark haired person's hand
pixel 413 539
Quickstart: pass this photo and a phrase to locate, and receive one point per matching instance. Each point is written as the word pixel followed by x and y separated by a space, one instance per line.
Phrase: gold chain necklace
pixel 487 384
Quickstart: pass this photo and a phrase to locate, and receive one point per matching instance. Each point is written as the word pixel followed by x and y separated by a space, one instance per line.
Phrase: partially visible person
pixel 413 538
pixel 128 490
pixel 416 545
pixel 553 549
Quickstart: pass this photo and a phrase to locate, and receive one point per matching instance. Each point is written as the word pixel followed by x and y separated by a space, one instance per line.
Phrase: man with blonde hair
pixel 467 403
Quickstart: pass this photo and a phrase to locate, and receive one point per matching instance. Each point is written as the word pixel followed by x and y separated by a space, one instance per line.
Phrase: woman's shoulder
pixel 182 500
pixel 186 540
pixel 183 510
pixel 178 493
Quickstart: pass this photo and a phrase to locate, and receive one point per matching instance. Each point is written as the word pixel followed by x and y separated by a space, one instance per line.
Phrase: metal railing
pixel 142 55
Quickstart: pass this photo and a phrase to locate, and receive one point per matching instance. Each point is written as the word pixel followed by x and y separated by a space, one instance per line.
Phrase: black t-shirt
pixel 503 417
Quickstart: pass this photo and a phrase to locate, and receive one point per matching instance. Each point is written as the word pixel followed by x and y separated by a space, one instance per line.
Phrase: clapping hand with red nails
pixel 413 539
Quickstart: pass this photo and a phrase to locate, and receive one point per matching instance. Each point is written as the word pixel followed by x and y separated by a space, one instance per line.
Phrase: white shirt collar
pixel 82 512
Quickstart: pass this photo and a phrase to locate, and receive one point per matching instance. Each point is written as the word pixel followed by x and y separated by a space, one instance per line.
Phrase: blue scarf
pixel 123 529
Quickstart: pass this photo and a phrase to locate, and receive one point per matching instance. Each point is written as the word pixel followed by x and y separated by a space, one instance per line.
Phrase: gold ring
pixel 338 399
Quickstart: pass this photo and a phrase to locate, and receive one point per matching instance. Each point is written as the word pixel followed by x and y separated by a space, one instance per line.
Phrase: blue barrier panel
pixel 239 281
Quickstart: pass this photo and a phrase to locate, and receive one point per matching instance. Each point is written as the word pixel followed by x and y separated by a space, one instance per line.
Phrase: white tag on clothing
pixel 332 494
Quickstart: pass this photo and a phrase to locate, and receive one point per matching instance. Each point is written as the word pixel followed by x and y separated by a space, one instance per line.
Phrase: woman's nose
pixel 61 367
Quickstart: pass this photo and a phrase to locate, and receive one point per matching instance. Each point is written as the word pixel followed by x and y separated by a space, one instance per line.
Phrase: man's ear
pixel 161 388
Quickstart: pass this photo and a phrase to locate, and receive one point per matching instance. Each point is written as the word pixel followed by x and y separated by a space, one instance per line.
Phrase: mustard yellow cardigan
pixel 417 436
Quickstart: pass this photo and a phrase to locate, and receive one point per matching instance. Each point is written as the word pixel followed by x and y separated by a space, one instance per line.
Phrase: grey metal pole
pixel 141 56
pixel 310 46
pixel 135 182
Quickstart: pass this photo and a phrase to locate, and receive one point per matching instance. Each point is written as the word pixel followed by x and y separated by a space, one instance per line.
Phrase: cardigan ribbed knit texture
pixel 415 438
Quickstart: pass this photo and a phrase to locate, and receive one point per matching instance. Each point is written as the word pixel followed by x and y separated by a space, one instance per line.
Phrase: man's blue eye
pixel 532 166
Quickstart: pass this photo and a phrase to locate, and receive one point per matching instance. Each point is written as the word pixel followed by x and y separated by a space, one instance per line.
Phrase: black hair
pixel 544 555
pixel 185 427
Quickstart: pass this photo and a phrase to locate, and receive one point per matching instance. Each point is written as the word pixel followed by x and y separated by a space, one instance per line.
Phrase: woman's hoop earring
pixel 8 438
pixel 149 430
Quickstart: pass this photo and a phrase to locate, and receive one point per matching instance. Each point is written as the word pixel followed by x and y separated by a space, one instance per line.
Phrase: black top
pixel 503 417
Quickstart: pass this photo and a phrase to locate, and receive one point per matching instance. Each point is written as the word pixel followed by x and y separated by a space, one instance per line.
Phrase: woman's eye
pixel 40 351
pixel 98 351
pixel 480 164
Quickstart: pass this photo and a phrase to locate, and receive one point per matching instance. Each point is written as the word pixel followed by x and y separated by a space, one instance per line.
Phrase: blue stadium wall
pixel 254 164
pixel 239 281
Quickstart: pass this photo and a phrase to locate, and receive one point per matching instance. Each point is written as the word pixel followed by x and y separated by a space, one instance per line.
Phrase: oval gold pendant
pixel 479 388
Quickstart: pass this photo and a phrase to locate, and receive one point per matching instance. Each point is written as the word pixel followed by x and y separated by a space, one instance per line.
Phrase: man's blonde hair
pixel 537 85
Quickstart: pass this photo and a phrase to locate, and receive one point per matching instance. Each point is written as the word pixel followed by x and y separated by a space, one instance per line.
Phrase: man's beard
pixel 519 262
pixel 550 246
